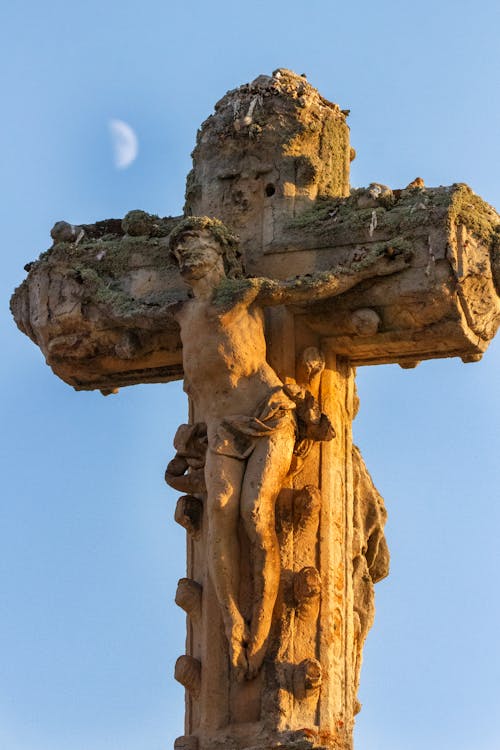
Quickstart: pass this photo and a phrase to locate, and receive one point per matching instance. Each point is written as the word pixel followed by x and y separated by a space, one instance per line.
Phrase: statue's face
pixel 198 253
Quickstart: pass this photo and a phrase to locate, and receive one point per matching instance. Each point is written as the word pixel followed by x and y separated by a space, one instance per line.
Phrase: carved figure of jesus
pixel 251 425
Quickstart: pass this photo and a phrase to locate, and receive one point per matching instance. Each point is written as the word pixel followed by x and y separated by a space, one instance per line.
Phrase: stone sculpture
pixel 284 525
pixel 248 412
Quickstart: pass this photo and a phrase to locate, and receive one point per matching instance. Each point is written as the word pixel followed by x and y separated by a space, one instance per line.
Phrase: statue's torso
pixel 224 358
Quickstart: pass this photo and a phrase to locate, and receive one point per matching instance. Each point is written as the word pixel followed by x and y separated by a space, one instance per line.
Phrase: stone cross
pixel 345 278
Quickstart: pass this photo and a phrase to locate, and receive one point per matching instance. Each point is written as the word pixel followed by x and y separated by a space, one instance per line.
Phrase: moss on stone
pixel 275 120
pixel 321 210
pixel 105 291
pixel 231 291
pixel 227 240
pixel 412 211
pixel 110 254
pixel 220 231
pixel 138 223
pixel 479 217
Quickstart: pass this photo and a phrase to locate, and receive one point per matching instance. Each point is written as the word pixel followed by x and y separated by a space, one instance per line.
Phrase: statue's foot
pixel 238 642
pixel 255 656
pixel 240 664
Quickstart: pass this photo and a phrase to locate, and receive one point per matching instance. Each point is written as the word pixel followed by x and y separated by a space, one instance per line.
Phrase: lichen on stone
pixel 227 240
pixel 231 291
pixel 280 120
pixel 479 217
pixel 410 210
pixel 111 253
pixel 219 230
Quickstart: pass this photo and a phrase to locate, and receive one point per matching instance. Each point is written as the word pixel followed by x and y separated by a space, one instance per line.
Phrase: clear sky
pixel 90 554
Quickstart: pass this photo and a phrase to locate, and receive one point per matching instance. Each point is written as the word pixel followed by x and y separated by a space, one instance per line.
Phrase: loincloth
pixel 236 435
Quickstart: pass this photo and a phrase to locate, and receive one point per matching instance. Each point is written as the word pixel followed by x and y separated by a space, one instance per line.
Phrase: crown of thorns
pixel 226 239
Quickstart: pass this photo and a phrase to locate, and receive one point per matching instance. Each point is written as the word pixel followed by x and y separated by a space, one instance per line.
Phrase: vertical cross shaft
pixel 267 152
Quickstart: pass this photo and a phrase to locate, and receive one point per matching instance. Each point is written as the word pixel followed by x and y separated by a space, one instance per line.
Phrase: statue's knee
pixel 258 527
pixel 221 503
pixel 249 515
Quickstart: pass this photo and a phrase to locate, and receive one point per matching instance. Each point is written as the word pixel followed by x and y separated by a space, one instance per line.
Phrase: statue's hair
pixel 226 239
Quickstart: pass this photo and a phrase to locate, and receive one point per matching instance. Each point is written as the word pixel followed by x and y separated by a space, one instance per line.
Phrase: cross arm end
pixel 101 303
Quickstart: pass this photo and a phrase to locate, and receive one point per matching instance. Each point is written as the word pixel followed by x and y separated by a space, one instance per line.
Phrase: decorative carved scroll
pixel 185 471
pixel 370 554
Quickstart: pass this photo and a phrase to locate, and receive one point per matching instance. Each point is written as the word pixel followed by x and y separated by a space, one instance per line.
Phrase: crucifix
pixel 263 297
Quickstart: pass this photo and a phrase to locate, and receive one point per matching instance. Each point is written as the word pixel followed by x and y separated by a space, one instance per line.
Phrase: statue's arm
pixel 325 284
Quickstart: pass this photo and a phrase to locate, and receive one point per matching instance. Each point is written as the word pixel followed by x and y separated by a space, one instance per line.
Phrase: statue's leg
pixel 223 477
pixel 266 470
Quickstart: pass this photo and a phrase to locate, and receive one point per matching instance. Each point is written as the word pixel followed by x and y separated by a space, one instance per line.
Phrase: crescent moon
pixel 124 143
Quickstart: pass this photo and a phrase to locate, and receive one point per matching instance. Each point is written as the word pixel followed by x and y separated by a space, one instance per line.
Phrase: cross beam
pixel 101 309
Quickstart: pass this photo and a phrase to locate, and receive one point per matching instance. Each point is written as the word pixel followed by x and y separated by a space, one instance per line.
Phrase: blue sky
pixel 90 555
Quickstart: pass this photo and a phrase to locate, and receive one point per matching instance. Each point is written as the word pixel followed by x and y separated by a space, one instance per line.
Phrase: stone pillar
pixel 305 690
pixel 271 148
pixel 336 634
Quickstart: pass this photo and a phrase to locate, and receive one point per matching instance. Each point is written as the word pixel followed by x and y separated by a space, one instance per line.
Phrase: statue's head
pixel 203 241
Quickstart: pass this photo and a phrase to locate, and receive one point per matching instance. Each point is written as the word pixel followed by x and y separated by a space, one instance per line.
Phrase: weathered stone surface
pixel 370 555
pixel 102 310
pixel 446 304
pixel 270 149
pixel 284 525
pixel 188 597
pixel 272 162
pixel 188 673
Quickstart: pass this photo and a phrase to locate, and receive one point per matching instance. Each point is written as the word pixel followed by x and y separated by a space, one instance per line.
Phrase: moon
pixel 124 143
